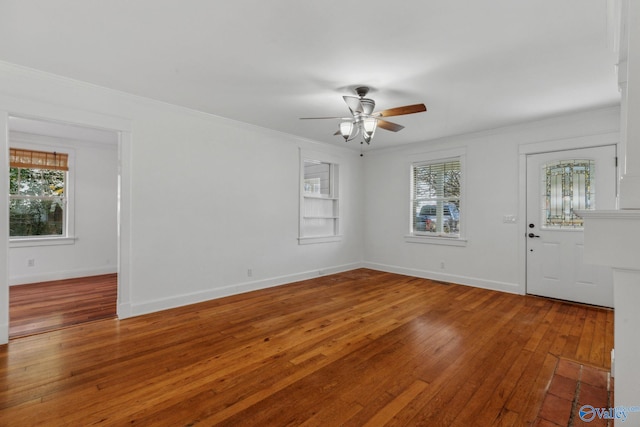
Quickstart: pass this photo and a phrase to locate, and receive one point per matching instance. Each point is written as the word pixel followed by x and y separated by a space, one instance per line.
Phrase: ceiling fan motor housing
pixel 362 91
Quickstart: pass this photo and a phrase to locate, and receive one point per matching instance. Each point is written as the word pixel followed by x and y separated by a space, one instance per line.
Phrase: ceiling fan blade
pixel 399 111
pixel 354 104
pixel 393 127
pixel 322 118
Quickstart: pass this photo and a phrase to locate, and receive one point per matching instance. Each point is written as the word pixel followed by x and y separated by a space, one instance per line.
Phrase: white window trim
pixel 19 141
pixel 439 156
pixel 308 155
pixel 25 242
pixel 314 240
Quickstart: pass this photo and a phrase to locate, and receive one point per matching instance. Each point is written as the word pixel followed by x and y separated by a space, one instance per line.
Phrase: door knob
pixel 531 235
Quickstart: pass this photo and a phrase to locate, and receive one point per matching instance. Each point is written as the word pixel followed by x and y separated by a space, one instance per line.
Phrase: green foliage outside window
pixel 37 201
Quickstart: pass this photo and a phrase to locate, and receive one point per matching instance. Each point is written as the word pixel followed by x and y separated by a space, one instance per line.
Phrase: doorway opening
pixel 63 226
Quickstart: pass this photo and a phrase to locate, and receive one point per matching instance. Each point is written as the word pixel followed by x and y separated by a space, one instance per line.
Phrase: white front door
pixel 558 184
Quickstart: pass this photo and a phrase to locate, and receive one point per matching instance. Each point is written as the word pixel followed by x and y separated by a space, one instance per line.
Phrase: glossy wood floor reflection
pixel 361 348
pixel 46 306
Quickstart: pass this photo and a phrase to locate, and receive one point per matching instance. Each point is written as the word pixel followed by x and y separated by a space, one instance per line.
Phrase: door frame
pixel 56 113
pixel 589 141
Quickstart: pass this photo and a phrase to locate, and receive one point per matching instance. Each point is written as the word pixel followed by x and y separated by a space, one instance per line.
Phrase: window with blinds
pixel 37 193
pixel 436 198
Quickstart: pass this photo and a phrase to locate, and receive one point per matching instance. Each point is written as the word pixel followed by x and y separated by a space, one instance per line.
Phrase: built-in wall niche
pixel 319 202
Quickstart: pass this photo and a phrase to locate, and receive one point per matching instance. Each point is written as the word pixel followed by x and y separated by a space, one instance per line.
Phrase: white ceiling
pixel 475 64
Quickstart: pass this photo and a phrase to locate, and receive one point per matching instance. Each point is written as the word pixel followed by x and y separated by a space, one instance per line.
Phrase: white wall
pixel 212 199
pixel 95 227
pixel 204 199
pixel 494 253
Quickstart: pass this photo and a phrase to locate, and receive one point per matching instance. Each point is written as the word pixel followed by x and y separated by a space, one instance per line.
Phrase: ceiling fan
pixel 364 121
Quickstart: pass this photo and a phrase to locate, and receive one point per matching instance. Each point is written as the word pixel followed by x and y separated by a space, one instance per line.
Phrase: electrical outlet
pixel 31 262
pixel 250 272
pixel 442 265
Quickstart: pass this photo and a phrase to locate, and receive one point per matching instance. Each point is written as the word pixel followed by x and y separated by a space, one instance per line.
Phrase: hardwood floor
pixel 40 307
pixel 362 348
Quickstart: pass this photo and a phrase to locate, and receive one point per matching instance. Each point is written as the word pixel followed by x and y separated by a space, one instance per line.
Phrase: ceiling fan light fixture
pixel 346 128
pixel 369 125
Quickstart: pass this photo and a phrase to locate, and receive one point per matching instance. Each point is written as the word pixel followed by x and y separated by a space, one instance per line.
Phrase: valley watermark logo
pixel 588 413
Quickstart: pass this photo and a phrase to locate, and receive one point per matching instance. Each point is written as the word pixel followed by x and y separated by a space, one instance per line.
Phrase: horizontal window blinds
pixel 437 180
pixel 21 158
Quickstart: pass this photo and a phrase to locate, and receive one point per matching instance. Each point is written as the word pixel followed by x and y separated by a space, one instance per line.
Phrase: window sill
pixel 41 241
pixel 322 239
pixel 440 240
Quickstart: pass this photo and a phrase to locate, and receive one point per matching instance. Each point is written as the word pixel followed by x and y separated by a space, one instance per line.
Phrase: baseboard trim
pixel 128 309
pixel 123 310
pixel 4 333
pixel 138 309
pixel 60 275
pixel 512 288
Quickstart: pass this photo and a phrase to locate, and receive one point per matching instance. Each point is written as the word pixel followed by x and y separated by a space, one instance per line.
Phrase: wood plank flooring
pixel 361 348
pixel 45 306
